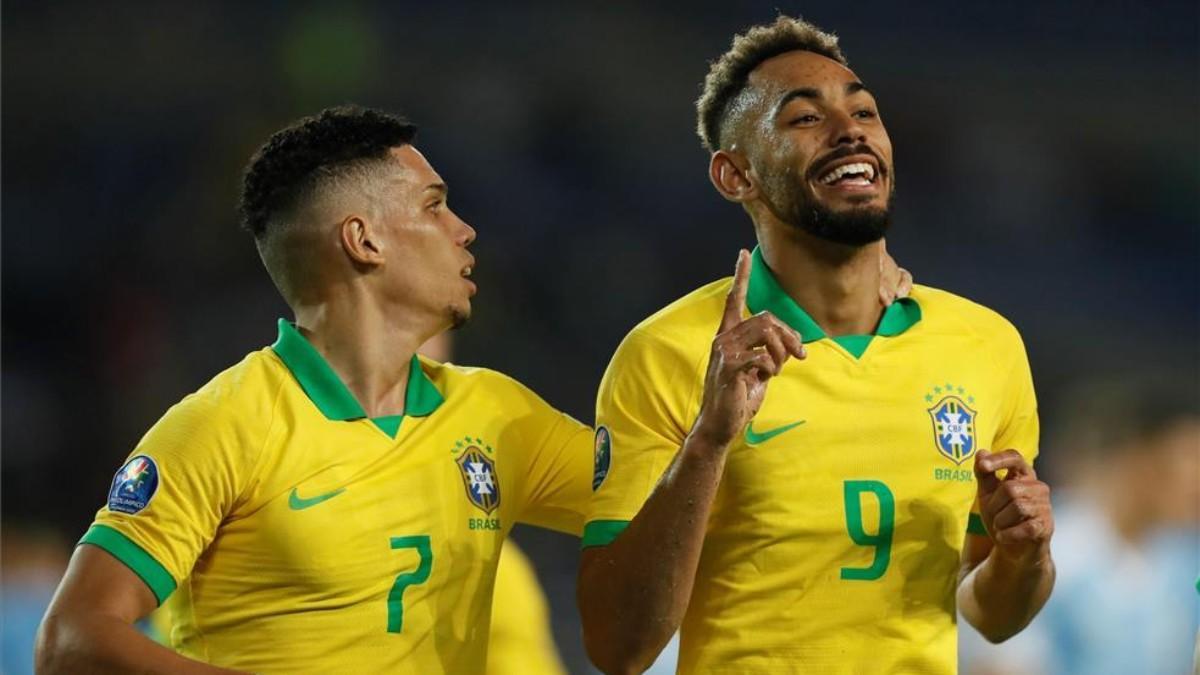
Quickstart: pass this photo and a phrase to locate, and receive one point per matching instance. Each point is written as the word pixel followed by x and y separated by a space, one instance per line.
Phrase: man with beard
pixel 333 503
pixel 830 526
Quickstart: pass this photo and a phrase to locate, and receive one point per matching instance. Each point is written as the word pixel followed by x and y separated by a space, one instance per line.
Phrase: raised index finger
pixel 735 302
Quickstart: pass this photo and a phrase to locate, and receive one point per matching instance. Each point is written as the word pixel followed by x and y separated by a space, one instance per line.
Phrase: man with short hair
pixel 333 503
pixel 812 490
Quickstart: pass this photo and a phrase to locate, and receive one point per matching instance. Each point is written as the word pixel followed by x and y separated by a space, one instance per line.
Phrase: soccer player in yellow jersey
pixel 332 503
pixel 820 486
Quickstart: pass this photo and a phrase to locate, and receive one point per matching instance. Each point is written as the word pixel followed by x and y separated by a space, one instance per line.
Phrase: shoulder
pixel 682 332
pixel 490 397
pixel 242 398
pixel 455 380
pixel 943 312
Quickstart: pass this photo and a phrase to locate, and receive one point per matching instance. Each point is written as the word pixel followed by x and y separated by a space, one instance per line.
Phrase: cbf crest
pixel 953 421
pixel 479 473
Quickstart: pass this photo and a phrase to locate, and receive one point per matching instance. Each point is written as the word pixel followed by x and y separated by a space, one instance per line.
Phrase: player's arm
pixel 1007 575
pixel 557 477
pixel 190 467
pixel 88 627
pixel 633 592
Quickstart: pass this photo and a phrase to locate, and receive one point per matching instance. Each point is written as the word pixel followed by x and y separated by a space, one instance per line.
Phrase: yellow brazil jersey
pixel 834 541
pixel 302 537
pixel 520 640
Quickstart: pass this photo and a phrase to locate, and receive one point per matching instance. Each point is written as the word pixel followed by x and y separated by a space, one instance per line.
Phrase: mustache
pixel 843 152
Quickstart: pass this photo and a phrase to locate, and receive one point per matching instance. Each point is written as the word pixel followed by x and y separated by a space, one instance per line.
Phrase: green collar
pixel 765 293
pixel 327 391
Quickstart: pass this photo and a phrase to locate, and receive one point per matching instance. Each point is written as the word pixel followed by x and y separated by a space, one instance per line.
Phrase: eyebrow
pixel 810 93
pixel 438 187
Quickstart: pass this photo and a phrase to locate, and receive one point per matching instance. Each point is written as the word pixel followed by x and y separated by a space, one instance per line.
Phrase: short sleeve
pixel 1018 428
pixel 556 463
pixel 644 410
pixel 168 499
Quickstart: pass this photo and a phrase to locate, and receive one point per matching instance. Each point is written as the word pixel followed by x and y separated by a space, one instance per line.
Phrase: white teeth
pixel 859 167
pixel 466 272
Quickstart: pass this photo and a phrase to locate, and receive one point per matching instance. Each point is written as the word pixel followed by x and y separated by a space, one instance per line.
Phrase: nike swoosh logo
pixel 753 438
pixel 296 503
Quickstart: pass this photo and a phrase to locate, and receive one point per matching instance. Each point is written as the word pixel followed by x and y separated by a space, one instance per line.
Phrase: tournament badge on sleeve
pixel 603 456
pixel 953 424
pixel 134 485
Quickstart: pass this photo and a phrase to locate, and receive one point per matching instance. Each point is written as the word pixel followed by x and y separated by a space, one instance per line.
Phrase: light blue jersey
pixel 1116 609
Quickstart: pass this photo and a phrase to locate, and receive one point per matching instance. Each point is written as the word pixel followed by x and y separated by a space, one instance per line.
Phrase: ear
pixel 361 242
pixel 730 174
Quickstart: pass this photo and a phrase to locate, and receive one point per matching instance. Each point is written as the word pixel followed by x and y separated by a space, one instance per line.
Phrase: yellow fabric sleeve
pixel 199 459
pixel 520 641
pixel 556 464
pixel 648 400
pixel 1019 427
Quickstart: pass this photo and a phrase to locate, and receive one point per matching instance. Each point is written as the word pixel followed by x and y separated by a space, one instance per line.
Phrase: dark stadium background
pixel 1047 158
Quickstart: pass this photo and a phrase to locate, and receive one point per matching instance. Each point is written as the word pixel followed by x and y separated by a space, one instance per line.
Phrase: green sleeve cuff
pixel 121 547
pixel 602 532
pixel 975 525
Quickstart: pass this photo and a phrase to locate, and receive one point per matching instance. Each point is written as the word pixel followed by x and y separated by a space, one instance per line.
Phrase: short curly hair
pixel 295 161
pixel 727 76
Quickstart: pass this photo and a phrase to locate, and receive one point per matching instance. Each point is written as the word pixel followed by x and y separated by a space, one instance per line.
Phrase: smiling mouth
pixel 859 174
pixel 465 273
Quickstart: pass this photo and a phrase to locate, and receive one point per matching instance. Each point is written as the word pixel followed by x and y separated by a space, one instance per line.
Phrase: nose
pixel 846 130
pixel 466 233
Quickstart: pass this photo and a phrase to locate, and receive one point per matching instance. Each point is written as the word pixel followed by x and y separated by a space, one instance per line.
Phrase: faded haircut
pixel 298 162
pixel 727 76
pixel 310 160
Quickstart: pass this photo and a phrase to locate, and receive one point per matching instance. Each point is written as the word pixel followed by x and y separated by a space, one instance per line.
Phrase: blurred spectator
pixel 32 560
pixel 1126 541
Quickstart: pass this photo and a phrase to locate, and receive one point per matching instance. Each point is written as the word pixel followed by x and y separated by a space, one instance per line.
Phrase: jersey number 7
pixel 395 599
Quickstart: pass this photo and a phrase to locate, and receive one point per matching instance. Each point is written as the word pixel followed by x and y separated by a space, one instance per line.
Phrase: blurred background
pixel 1048 158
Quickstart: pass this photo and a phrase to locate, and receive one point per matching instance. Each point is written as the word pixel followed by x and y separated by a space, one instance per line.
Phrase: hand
pixel 745 354
pixel 1015 510
pixel 894 281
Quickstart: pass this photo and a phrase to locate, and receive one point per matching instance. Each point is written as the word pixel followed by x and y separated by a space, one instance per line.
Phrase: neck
pixel 837 285
pixel 369 348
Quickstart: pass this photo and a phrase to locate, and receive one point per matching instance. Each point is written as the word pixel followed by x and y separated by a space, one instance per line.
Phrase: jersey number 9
pixel 852 491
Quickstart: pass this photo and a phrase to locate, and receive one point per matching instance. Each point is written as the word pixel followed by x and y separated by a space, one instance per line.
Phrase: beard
pixel 852 227
pixel 791 201
pixel 458 316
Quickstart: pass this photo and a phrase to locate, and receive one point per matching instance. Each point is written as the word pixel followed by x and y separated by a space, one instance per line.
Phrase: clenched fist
pixel 1016 510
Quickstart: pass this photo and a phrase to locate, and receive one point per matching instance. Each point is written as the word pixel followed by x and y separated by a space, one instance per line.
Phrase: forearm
pixel 1001 596
pixel 633 593
pixel 98 644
